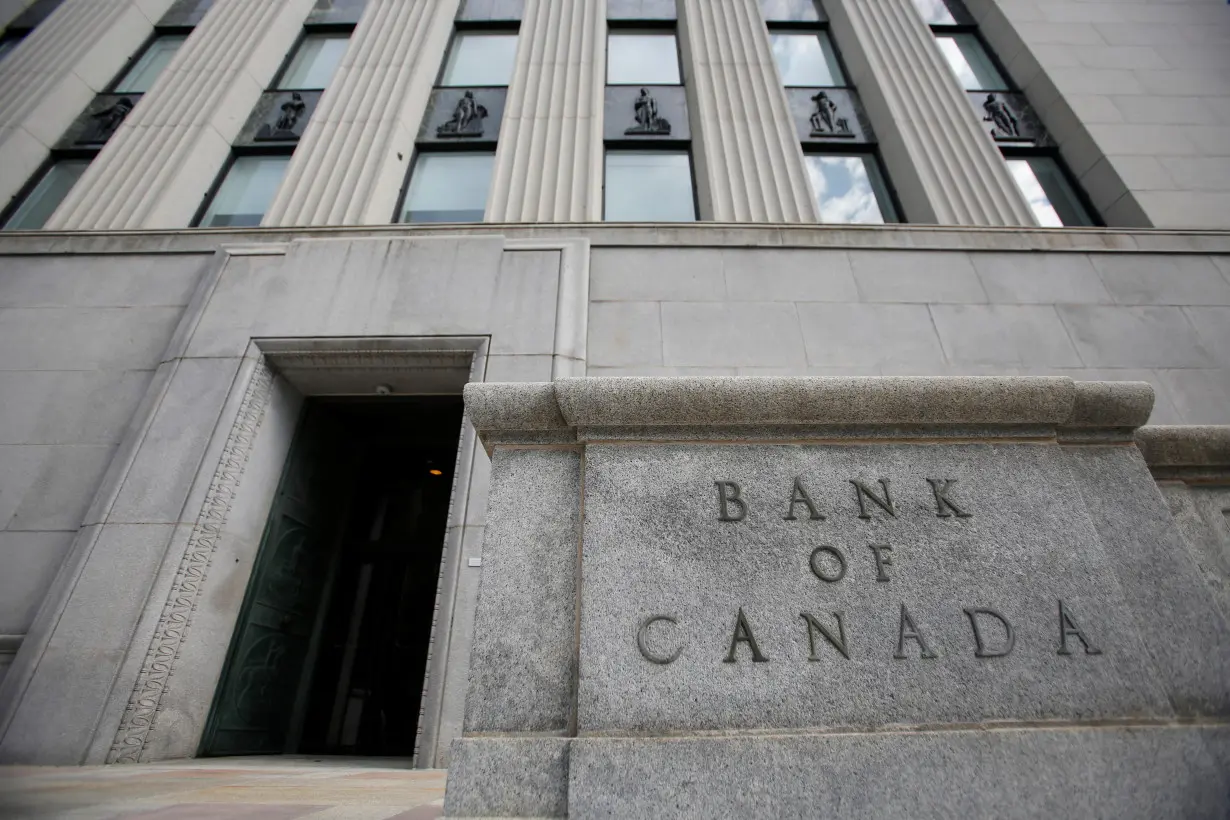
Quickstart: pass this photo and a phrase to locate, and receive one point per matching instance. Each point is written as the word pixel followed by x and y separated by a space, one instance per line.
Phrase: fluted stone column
pixel 156 169
pixel 748 161
pixel 352 159
pixel 549 159
pixel 944 167
pixel 48 80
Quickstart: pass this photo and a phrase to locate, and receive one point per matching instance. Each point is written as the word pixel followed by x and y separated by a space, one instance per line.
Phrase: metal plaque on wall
pixel 1009 118
pixel 94 126
pixel 634 112
pixel 279 117
pixel 463 115
pixel 829 116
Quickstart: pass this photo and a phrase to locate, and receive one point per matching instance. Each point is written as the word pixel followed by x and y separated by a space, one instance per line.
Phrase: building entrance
pixel 331 645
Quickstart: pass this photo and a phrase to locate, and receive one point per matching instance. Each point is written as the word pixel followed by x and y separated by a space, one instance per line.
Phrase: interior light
pixel 436 472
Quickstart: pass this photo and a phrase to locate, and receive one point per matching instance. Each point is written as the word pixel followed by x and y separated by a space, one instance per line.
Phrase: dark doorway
pixel 331 646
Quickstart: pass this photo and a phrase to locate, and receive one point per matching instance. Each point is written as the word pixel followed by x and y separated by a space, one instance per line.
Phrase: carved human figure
pixel 292 110
pixel 1001 116
pixel 645 109
pixel 107 120
pixel 824 119
pixel 467 119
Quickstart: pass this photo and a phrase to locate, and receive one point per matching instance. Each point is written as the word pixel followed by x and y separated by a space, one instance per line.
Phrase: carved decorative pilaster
pixel 176 618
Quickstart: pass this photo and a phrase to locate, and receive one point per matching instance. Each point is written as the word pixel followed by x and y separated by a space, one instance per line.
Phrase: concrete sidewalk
pixel 251 788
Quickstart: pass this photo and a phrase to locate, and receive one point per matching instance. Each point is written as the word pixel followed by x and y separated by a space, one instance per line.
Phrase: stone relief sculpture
pixel 1001 117
pixel 647 119
pixel 467 119
pixel 825 121
pixel 104 123
pixel 284 127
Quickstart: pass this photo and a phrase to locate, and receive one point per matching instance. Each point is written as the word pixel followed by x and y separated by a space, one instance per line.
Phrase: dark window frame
pixel 802 27
pixel 477 27
pixel 657 27
pixel 866 149
pixel 43 169
pixel 662 146
pixel 304 33
pixel 1052 153
pixel 159 31
pixel 446 148
pixel 220 178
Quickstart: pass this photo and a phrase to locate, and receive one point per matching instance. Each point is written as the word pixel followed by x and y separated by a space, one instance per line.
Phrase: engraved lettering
pixel 800 496
pixel 814 626
pixel 863 492
pixel 743 634
pixel 981 650
pixel 819 570
pixel 1067 627
pixel 645 651
pixel 729 493
pixel 944 506
pixel 912 633
pixel 882 560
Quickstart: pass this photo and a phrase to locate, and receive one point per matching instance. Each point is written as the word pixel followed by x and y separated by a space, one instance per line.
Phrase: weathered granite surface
pixel 1146 773
pixel 1018 542
pixel 842 597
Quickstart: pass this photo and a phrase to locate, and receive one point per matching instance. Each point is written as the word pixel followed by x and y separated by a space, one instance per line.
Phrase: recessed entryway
pixel 330 648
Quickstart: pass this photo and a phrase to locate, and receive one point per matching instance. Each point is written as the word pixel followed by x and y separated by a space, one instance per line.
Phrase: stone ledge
pixel 750 408
pixel 1194 452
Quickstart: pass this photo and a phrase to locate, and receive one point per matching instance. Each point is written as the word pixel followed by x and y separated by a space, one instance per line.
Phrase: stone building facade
pixel 223 216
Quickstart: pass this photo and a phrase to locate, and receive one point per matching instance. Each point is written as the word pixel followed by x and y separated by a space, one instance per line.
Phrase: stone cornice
pixel 1197 453
pixel 745 409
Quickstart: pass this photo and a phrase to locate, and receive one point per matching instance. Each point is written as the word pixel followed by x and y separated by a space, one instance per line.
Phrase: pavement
pixel 247 788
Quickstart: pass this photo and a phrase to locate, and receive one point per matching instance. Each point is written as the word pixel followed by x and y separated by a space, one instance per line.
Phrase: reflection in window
pixel 245 193
pixel 449 187
pixel 47 195
pixel 642 59
pixel 151 63
pixel 315 60
pixel 480 59
pixel 935 12
pixel 649 186
pixel 806 59
pixel 970 62
pixel 849 189
pixel 790 11
pixel 1046 188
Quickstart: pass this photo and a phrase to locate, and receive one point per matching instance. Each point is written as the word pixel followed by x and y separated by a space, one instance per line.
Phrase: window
pixel 1051 197
pixel 970 62
pixel 245 192
pixel 38 205
pixel 480 58
pixel 935 13
pixel 790 11
pixel 449 186
pixel 642 58
pixel 314 62
pixel 649 186
pixel 806 59
pixel 8 43
pixel 850 189
pixel 155 57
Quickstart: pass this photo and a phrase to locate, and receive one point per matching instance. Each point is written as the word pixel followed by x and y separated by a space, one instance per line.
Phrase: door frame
pixel 170 703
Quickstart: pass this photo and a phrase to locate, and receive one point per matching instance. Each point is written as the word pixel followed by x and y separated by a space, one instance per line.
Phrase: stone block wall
pixel 80 338
pixel 1161 318
pixel 1136 92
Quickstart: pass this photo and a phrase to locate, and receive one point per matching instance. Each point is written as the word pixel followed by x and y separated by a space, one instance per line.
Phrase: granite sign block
pixel 791 597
